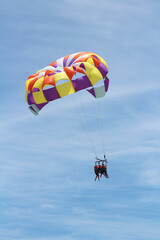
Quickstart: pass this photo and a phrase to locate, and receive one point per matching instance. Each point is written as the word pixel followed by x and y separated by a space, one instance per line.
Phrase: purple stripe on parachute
pixel 51 94
pixel 106 83
pixel 35 90
pixel 91 91
pixel 55 65
pixel 73 59
pixel 103 70
pixel 50 74
pixel 64 62
pixel 56 71
pixel 81 83
pixel 30 98
pixel 40 106
pixel 82 66
pixel 74 68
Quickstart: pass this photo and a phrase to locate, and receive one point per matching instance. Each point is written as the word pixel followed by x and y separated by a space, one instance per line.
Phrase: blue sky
pixel 47 187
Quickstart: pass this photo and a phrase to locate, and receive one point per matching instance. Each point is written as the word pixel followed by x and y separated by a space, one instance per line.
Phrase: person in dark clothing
pixel 104 171
pixel 96 170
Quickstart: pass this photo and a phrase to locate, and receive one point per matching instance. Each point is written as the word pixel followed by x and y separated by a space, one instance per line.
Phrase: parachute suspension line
pixel 97 106
pixel 101 107
pixel 85 127
pixel 85 124
pixel 97 117
pixel 78 101
pixel 85 121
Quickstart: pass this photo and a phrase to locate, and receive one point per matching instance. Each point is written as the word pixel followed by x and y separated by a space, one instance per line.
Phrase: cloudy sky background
pixel 47 187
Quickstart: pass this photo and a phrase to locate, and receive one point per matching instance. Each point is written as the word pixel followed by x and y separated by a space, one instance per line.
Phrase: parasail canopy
pixel 67 75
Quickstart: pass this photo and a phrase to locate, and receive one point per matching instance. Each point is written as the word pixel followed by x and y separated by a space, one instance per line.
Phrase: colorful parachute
pixel 65 76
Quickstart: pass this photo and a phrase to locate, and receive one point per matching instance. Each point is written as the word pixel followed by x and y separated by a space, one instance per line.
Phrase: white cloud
pixel 131 89
pixel 150 173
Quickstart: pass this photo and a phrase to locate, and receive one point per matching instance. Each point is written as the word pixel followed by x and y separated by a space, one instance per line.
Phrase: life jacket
pixel 100 168
pixel 96 169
